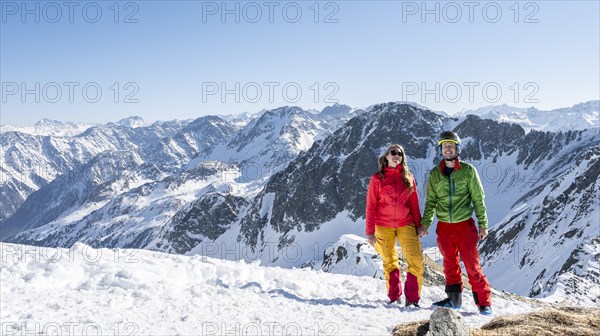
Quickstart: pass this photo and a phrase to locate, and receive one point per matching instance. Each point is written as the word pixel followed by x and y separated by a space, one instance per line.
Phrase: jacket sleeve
pixel 413 204
pixel 477 197
pixel 371 211
pixel 430 203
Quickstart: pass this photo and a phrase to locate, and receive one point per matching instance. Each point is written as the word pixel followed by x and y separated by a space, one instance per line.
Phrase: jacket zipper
pixel 395 198
pixel 450 191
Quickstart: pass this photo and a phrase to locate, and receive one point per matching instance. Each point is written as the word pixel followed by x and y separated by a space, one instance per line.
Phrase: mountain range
pixel 283 185
pixel 577 117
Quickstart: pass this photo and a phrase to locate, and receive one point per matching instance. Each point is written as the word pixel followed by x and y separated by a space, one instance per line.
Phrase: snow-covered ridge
pixel 577 117
pixel 56 128
pixel 29 162
pixel 133 122
pixel 47 127
pixel 89 286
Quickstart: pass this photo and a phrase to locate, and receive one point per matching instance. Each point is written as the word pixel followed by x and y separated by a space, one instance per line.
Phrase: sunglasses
pixel 394 153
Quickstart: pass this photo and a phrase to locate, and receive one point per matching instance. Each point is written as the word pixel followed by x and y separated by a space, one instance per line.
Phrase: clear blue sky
pixel 173 59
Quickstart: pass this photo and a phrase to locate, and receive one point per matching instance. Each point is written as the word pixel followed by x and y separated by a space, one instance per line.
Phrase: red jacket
pixel 390 203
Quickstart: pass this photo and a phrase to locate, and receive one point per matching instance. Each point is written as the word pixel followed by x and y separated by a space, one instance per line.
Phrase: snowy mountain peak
pixel 586 107
pixel 283 112
pixel 418 106
pixel 48 122
pixel 240 120
pixel 133 122
pixel 266 143
pixel 577 117
pixel 401 114
pixel 49 127
pixel 335 109
pixel 493 110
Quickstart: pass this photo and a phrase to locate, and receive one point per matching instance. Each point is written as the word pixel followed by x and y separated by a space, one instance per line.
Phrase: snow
pixel 435 254
pixel 535 260
pixel 562 295
pixel 577 117
pixel 311 245
pixel 47 127
pixel 267 205
pixel 265 145
pixel 137 292
pixel 133 122
pixel 154 209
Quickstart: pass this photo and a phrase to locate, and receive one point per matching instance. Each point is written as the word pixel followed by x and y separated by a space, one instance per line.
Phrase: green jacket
pixel 453 198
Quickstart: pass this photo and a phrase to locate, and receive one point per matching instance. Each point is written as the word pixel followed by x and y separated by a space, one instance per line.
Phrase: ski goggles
pixel 448 140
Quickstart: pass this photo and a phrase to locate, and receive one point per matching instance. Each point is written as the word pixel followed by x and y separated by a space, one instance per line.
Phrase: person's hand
pixel 483 232
pixel 371 240
pixel 422 231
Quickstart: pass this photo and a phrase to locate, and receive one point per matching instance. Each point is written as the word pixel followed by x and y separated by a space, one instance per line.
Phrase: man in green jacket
pixel 453 192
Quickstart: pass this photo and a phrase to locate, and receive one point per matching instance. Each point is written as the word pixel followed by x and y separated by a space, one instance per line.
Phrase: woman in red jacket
pixel 393 214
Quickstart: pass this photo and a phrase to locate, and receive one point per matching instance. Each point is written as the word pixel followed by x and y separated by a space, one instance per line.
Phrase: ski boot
pixel 485 310
pixel 412 304
pixel 454 301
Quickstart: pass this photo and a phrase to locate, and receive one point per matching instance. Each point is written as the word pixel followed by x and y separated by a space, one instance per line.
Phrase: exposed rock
pixel 447 322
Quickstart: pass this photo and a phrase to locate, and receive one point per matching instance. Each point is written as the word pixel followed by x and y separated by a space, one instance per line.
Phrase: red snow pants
pixel 461 238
